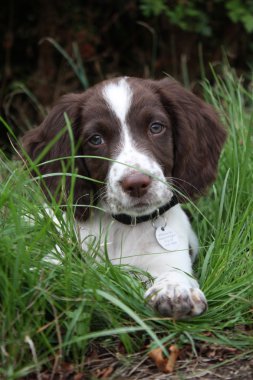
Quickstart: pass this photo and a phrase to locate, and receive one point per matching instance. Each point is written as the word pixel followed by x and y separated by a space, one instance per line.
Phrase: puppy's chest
pixel 128 244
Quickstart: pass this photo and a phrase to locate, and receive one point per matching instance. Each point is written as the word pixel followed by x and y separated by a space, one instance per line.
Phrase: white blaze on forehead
pixel 118 96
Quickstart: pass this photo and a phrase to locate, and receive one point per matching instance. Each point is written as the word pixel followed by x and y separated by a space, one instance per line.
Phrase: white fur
pixel 128 159
pixel 137 245
pixel 118 96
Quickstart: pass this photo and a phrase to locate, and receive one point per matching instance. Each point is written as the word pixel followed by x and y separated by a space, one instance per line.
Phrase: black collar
pixel 133 220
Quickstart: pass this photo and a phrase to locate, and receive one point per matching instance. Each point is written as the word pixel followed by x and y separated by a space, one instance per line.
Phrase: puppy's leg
pixel 175 292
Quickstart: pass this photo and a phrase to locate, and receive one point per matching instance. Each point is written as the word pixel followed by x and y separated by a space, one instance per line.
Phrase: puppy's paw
pixel 176 300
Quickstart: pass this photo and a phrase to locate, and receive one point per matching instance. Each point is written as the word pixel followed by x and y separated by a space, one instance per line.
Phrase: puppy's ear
pixel 40 139
pixel 198 138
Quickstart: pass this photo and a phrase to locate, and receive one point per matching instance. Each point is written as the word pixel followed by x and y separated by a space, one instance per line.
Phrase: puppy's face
pixel 153 135
pixel 133 129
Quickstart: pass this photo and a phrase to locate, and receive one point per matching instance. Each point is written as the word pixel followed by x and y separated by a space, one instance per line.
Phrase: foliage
pixel 241 11
pixel 47 47
pixel 197 16
pixel 52 311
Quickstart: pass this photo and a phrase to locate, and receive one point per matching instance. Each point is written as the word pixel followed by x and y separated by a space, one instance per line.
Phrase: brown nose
pixel 136 184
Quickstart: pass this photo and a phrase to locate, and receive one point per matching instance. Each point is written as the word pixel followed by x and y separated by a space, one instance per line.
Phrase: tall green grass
pixel 51 312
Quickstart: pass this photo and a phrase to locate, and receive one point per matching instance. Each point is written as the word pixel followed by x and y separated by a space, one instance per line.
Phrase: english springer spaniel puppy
pixel 142 147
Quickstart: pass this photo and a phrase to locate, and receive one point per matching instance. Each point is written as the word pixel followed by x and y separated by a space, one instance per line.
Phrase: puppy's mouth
pixel 135 209
pixel 139 209
pixel 141 205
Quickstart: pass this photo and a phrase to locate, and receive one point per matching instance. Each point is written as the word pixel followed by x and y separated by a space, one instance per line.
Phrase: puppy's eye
pixel 96 140
pixel 156 128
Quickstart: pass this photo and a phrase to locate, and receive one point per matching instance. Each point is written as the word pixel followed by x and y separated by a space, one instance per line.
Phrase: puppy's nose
pixel 136 184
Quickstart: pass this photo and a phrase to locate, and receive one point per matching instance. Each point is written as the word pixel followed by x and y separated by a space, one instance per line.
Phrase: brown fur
pixel 188 150
pixel 198 138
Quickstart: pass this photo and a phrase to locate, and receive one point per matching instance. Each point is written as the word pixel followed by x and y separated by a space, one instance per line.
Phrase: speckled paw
pixel 176 301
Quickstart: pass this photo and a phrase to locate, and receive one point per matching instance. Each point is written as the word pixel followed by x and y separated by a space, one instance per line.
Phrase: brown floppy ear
pixel 38 139
pixel 198 138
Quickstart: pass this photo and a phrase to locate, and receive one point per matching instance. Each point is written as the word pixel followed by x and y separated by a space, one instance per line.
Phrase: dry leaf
pixel 157 356
pixel 165 365
pixel 174 352
pixel 104 373
pixel 79 376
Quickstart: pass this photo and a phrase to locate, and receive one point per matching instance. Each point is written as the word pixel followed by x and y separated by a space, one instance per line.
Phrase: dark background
pixel 141 38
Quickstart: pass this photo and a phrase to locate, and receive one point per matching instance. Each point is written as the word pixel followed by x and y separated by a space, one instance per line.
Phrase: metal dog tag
pixel 167 238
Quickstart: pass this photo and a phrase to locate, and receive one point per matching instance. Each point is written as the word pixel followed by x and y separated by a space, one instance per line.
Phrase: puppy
pixel 142 147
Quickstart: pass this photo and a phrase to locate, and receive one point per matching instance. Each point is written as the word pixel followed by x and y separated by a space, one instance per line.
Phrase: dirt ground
pixel 211 363
pixel 200 368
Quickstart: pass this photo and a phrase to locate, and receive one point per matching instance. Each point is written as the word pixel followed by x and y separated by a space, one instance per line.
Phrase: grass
pixel 50 312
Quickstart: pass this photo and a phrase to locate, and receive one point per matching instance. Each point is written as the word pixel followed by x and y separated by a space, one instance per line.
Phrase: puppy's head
pixel 139 141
